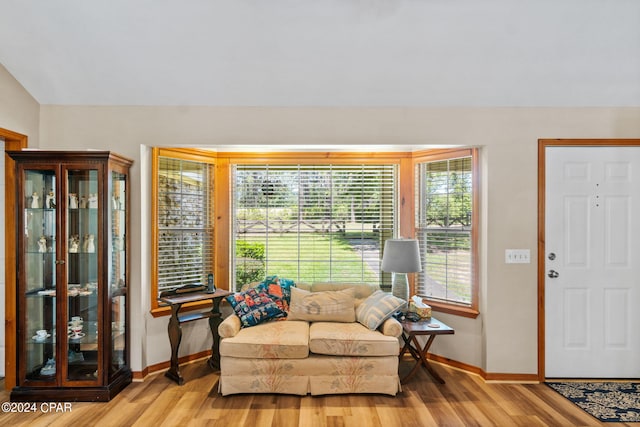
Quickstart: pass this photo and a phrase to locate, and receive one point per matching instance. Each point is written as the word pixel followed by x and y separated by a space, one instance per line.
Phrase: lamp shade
pixel 401 256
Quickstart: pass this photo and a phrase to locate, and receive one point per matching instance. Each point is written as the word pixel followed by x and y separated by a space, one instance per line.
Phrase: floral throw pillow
pixel 279 289
pixel 253 307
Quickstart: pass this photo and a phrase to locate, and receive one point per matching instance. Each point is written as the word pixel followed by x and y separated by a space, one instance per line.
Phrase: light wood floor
pixel 465 400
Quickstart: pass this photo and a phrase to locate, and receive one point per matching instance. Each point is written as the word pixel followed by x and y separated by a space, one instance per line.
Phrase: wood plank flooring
pixel 465 400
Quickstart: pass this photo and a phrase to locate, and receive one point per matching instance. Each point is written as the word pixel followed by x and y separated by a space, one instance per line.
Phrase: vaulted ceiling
pixel 430 53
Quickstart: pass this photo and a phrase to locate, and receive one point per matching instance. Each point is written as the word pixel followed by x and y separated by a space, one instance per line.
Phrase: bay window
pixel 314 217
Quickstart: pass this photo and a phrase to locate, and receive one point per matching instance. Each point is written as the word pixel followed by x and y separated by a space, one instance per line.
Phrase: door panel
pixel 616 318
pixel 617 226
pixel 592 202
pixel 576 333
pixel 577 233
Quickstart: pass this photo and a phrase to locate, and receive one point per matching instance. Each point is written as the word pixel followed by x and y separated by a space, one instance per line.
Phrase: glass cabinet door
pixel 39 283
pixel 83 252
pixel 117 271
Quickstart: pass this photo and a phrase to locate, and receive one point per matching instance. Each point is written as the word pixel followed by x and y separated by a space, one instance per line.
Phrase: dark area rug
pixel 607 401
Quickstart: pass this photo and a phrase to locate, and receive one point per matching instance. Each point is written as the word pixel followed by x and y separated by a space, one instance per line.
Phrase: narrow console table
pixel 175 330
pixel 410 333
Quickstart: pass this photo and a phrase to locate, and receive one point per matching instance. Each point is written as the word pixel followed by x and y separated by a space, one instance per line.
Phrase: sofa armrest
pixel 391 327
pixel 229 326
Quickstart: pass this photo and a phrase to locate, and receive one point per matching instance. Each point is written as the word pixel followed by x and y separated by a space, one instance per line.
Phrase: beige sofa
pixel 317 357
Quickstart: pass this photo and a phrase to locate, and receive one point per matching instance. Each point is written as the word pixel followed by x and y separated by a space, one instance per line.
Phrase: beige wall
pixel 19 112
pixel 503 339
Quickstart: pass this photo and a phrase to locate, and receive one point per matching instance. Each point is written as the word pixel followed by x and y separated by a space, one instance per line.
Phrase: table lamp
pixel 401 256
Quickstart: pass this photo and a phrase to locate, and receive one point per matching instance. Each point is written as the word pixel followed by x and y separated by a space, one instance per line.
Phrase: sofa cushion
pixel 269 340
pixel 362 290
pixel 304 285
pixel 253 307
pixel 329 306
pixel 350 339
pixel 378 308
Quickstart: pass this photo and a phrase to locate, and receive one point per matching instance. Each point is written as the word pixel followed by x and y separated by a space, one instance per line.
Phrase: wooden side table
pixel 175 330
pixel 410 333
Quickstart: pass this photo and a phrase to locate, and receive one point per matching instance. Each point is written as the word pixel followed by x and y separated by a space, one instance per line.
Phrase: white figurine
pixel 50 201
pixel 89 246
pixel 93 201
pixel 73 201
pixel 34 200
pixel 42 244
pixel 74 244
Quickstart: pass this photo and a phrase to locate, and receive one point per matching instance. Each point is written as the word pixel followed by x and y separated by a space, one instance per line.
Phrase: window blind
pixel 185 223
pixel 312 222
pixel 443 229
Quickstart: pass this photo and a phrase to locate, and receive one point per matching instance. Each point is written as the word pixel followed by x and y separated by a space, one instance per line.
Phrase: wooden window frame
pixel 470 310
pixel 180 154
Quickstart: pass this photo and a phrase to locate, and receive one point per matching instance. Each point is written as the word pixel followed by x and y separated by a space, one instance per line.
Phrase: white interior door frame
pixel 542 146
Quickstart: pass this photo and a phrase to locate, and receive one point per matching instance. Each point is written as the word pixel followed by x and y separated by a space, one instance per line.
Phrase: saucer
pixel 76 337
pixel 40 339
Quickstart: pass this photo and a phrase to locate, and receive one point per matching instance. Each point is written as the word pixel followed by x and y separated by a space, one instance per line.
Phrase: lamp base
pixel 400 286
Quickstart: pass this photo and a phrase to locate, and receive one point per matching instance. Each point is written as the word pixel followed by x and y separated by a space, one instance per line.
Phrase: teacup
pixel 41 333
pixel 75 320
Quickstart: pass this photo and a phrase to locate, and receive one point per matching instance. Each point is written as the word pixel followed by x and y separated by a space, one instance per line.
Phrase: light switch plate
pixel 517 256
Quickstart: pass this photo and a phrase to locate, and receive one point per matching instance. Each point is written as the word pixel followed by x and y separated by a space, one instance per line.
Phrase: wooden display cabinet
pixel 72 264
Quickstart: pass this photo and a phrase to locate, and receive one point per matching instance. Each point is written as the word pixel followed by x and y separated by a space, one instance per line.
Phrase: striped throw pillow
pixel 377 308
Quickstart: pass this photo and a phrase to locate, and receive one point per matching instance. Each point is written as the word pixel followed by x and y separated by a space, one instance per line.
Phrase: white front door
pixel 592 259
